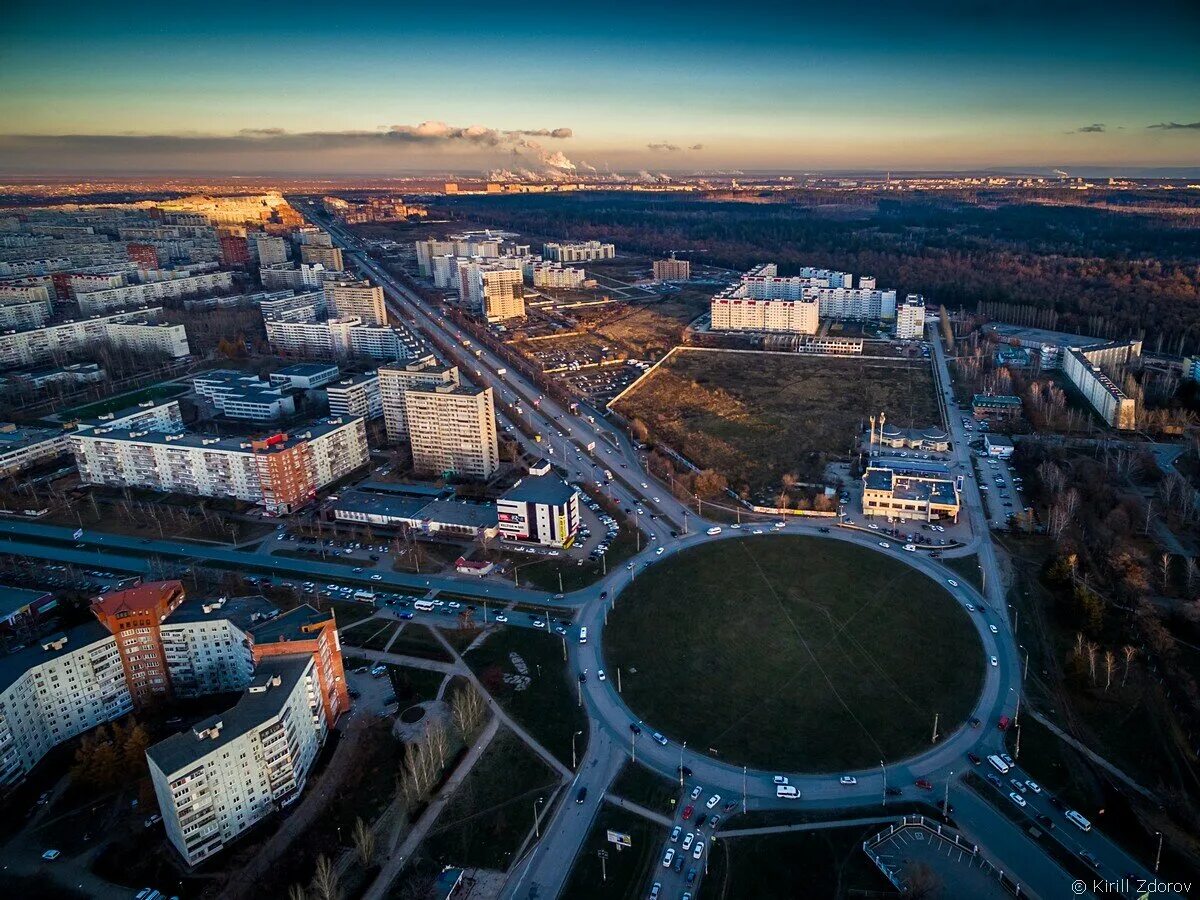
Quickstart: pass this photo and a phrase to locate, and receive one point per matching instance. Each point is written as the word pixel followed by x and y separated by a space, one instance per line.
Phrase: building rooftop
pixel 932 433
pixel 548 489
pixel 995 400
pixel 351 381
pixel 460 512
pixel 997 440
pixel 1042 336
pixel 143 598
pixel 18 437
pixel 14 665
pixel 406 488
pixel 273 682
pixel 14 599
pixel 244 612
pixel 305 370
pixel 290 626
pixel 270 444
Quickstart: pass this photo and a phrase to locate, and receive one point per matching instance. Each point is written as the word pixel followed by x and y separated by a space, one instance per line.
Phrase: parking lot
pixel 1001 489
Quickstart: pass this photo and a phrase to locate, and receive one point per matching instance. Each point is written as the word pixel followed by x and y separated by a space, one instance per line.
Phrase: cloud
pixel 1177 126
pixel 1094 128
pixel 696 147
pixel 663 148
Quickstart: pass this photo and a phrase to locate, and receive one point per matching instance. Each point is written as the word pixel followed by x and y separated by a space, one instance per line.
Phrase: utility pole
pixel 743 792
pixel 603 854
pixel 560 589
pixel 574 761
pixel 633 744
pixel 1017 746
pixel 639 540
pixel 618 679
pixel 933 740
pixel 537 833
pixel 883 768
pixel 604 563
pixel 564 640
pixel 946 798
pixel 1158 853
pixel 681 749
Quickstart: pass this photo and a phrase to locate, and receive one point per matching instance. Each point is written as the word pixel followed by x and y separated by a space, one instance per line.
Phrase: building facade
pixel 396 381
pixel 358 299
pixel 452 430
pixel 358 395
pixel 910 318
pixel 543 509
pixel 672 269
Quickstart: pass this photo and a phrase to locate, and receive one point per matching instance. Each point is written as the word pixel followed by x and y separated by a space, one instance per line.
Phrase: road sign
pixel 619 839
pixel 78 533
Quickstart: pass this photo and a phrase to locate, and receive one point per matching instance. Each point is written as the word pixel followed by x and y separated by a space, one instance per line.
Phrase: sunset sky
pixel 269 87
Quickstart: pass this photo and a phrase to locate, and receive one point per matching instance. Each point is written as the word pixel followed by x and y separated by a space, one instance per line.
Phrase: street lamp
pixel 883 768
pixel 537 832
pixel 574 763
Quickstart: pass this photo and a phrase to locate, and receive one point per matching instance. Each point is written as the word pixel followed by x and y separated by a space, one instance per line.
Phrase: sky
pixel 379 88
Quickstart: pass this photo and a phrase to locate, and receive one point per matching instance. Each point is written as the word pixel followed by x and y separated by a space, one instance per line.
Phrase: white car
pixel 1033 785
pixel 51 854
pixel 758 531
pixel 675 833
pixel 713 800
pixel 993 629
pixel 377 578
pixel 1016 798
pixel 951 582
pixel 538 623
pixel 696 791
pixel 847 780
pixel 600 674
pixel 911 548
pixel 501 618
pixel 781 779
pixel 885 545
pixel 715 530
pixel 687 840
pixel 873 527
pixel 995 662
pixel 668 857
pixel 698 850
pixel 658 552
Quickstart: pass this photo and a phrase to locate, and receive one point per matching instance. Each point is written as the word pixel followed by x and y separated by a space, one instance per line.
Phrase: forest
pixel 1124 263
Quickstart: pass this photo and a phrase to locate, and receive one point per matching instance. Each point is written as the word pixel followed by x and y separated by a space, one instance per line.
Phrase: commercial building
pixel 672 269
pixel 452 430
pixel 585 251
pixel 398 506
pixel 103 301
pixel 241 396
pixel 233 769
pixel 543 509
pixel 910 318
pixel 20 606
pixel 930 440
pixel 997 406
pixel 339 338
pixel 329 257
pixel 280 472
pixel 359 299
pixel 135 330
pixel 997 445
pixel 305 376
pixel 357 395
pixel 396 381
pixel 910 489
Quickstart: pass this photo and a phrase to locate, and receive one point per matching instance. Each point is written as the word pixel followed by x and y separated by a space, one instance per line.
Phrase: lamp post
pixel 537 830
pixel 883 769
pixel 681 749
pixel 574 761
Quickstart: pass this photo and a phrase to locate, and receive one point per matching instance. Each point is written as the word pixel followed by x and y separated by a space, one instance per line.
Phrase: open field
pixel 158 392
pixel 794 654
pixel 754 417
pixel 627 871
pixel 650 330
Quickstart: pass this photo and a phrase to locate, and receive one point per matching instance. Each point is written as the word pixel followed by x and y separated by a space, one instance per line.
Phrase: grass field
pixel 418 640
pixel 156 392
pixel 756 417
pixel 794 653
pixel 492 810
pixel 546 704
pixel 640 785
pixel 627 870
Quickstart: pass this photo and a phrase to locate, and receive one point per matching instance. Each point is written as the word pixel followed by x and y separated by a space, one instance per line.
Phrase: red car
pixel 924 784
pixel 687 812
pixel 1003 723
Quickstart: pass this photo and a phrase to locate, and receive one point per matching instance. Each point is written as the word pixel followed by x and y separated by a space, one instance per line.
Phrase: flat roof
pixel 289 626
pixel 1044 336
pixel 244 612
pixel 14 665
pixel 548 489
pixel 995 400
pixel 13 599
pixel 22 436
pixel 255 707
pixel 304 369
pixel 200 441
pixel 438 511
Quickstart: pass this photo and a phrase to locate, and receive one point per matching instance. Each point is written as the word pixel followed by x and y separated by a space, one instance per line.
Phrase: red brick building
pixel 145 255
pixel 134 617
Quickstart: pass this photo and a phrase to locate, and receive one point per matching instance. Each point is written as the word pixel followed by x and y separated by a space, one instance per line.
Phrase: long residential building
pixel 109 299
pixel 136 330
pixel 329 257
pixel 584 251
pixel 339 338
pixel 556 275
pixel 1085 366
pixel 280 472
pixel 394 383
pixel 764 302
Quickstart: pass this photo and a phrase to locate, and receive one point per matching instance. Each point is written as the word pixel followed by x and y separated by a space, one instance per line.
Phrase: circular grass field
pixel 794 654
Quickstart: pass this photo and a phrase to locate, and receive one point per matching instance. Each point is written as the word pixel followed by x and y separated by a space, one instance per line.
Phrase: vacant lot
pixel 794 654
pixel 755 417
pixel 625 873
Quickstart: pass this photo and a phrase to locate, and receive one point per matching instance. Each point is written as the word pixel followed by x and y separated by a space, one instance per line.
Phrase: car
pixel 1016 798
pixel 1033 785
pixel 377 577
pixel 911 548
pixel 635 728
pixel 658 552
pixel 1018 785
pixel 951 582
pixel 713 800
pixel 45 797
pixel 715 530
pixel 501 618
pixel 654 890
pixel 408 615
pixel 758 531
pixel 847 780
pixel 712 823
pixel 885 545
pixel 600 674
pixel 975 722
pixel 668 857
pixel 1045 821
pixel 995 662
pixel 688 839
pixel 786 792
pixel 924 784
pixel 994 780
pixel 538 623
pixel 153 820
pixel 691 875
pixel 658 737
pixel 675 833
pixel 975 760
pixel 51 855
pixel 1089 859
pixel 701 819
pixel 679 863
pixel 697 791
pixel 1007 760
pixel 873 527
pixel 698 850
pixel 683 771
pixel 781 779
pixel 581 796
pixel 687 812
pixel 583 677
pixel 970 607
pixel 993 629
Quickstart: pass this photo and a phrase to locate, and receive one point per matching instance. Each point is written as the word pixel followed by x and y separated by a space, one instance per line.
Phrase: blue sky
pixel 666 87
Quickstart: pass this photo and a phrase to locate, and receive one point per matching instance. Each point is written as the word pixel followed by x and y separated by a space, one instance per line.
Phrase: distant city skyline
pixel 377 89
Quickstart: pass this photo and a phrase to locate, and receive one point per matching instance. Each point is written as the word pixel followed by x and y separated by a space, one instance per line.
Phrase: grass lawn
pixel 124 401
pixel 414 685
pixel 348 613
pixel 370 635
pixel 830 864
pixel 525 671
pixel 418 640
pixel 627 870
pixel 640 785
pixel 967 568
pixel 809 655
pixel 492 810
pixel 755 417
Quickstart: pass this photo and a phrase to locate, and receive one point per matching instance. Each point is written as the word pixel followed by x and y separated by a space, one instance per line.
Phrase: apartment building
pixel 241 396
pixel 910 318
pixel 556 275
pixel 150 415
pixel 486 244
pixel 233 769
pixel 329 257
pixel 305 277
pixel 452 430
pixel 22 447
pixel 357 299
pixel 1085 367
pixel 145 255
pixel 672 269
pixel 339 338
pixel 267 249
pixel 288 305
pixel 134 617
pixel 905 490
pixel 585 251
pixel 235 252
pixel 543 509
pixel 358 395
pixel 280 472
pixel 494 291
pixel 396 381
pixel 103 301
pixel 135 330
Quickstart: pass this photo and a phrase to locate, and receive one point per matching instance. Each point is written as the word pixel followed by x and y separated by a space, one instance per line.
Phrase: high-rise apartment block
pixel 396 381
pixel 135 330
pixel 98 302
pixel 357 298
pixel 357 395
pixel 763 302
pixel 145 255
pixel 268 249
pixel 556 275
pixel 329 257
pixel 910 318
pixel 339 338
pixel 452 430
pixel 585 251
pixel 493 291
pixel 672 269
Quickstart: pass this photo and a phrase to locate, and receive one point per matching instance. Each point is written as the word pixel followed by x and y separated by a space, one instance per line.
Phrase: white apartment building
pixel 492 289
pixel 396 381
pixel 290 306
pixel 267 249
pixel 910 318
pixel 242 396
pixel 25 315
pixel 22 447
pixel 280 472
pixel 135 330
pixel 483 243
pixel 585 251
pixel 304 277
pixel 152 415
pixel 452 430
pixel 339 338
pixel 357 395
pixel 233 769
pixel 56 689
pixel 556 275
pixel 103 301
pixel 762 301
pixel 27 291
pixel 359 299
pixel 1085 368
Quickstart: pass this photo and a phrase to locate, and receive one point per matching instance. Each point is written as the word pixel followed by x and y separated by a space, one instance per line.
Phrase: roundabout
pixel 793 653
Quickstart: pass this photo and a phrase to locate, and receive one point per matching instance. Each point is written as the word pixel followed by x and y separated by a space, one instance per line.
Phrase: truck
pixel 502 372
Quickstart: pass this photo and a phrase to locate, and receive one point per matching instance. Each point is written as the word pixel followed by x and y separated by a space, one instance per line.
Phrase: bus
pixel 423 606
pixel 998 764
pixel 1078 820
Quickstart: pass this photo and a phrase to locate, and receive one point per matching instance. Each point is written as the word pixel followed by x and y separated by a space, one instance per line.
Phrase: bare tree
pixel 1164 562
pixel 364 842
pixel 1110 663
pixel 1091 649
pixel 1190 571
pixel 468 709
pixel 297 892
pixel 921 882
pixel 325 884
pixel 1128 653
